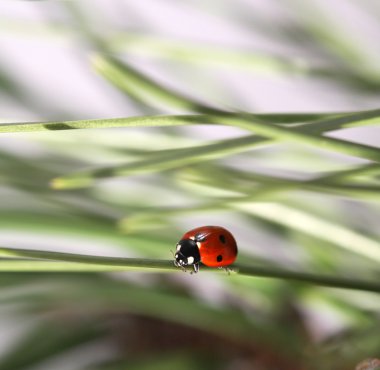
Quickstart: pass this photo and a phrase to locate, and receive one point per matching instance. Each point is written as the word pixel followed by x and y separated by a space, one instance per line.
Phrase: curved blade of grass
pixel 312 225
pixel 191 52
pixel 331 183
pixel 136 84
pixel 115 263
pixel 160 161
pixel 269 185
pixel 363 170
pixel 355 119
pixel 299 137
pixel 141 87
pixel 180 157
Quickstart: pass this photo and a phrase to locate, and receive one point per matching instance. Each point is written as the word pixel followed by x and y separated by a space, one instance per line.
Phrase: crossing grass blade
pixel 141 87
pixel 257 186
pixel 175 158
pixel 311 123
pixel 321 142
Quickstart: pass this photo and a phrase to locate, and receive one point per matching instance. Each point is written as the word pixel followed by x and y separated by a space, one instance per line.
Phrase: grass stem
pixel 45 261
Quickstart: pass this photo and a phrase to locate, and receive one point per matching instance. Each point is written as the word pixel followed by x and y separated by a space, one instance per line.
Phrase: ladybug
pixel 214 246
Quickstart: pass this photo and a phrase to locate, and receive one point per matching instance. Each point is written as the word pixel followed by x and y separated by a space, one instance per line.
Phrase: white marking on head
pixel 178 247
pixel 199 245
pixel 190 260
pixel 176 256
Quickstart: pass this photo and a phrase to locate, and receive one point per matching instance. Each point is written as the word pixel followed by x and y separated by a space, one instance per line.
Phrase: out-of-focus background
pixel 240 55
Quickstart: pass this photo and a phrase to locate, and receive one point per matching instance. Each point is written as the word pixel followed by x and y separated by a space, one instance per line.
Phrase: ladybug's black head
pixel 187 253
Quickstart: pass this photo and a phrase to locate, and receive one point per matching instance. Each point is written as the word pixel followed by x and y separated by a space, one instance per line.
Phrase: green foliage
pixel 119 193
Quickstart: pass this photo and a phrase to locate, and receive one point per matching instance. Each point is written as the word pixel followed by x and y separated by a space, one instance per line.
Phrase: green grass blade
pixel 151 121
pixel 312 123
pixel 86 259
pixel 101 265
pixel 160 161
pixel 144 121
pixel 315 226
pixel 300 137
pixel 141 87
pixel 244 183
pixel 118 264
pixel 325 31
pixel 349 120
pixel 180 157
pixel 363 170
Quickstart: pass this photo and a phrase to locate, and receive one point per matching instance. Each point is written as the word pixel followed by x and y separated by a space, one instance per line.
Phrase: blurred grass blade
pixel 154 301
pixel 269 185
pixel 160 161
pixel 141 87
pixel 315 226
pixel 209 55
pixel 175 158
pixel 358 171
pixel 325 31
pixel 302 138
pixel 349 120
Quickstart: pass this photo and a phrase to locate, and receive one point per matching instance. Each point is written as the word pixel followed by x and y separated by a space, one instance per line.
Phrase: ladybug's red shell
pixel 217 246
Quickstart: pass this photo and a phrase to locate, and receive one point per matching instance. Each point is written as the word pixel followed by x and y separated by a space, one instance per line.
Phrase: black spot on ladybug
pixel 219 258
pixel 222 238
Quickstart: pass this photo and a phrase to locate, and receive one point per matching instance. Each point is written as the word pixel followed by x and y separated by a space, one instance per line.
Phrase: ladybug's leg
pixel 196 267
pixel 227 269
pixel 176 264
